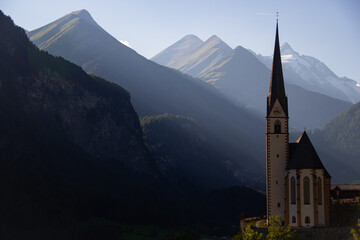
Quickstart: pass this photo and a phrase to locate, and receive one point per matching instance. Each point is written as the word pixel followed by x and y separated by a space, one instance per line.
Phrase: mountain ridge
pixel 244 78
pixel 199 59
pixel 179 49
pixel 314 75
pixel 158 90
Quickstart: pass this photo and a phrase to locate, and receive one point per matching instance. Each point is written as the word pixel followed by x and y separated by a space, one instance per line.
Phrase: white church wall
pixel 292 207
pixel 277 174
pixel 307 209
pixel 321 207
pixel 277 153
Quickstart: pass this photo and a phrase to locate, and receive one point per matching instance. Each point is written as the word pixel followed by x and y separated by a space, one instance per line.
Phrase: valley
pixel 98 141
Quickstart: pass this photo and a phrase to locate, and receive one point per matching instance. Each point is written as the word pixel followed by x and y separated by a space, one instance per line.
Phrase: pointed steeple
pixel 277 87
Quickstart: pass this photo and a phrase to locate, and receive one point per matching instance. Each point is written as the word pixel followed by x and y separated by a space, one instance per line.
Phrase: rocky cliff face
pixel 71 146
pixel 88 111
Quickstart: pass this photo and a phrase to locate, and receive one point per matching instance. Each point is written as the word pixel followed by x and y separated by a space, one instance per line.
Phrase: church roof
pixel 277 87
pixel 346 187
pixel 302 155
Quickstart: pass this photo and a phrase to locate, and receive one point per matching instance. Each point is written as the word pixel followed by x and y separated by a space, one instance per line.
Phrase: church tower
pixel 297 183
pixel 277 137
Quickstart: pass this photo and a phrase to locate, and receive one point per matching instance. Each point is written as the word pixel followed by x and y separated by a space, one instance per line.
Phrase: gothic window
pixel 307 219
pixel 319 191
pixel 306 190
pixel 293 219
pixel 277 127
pixel 293 189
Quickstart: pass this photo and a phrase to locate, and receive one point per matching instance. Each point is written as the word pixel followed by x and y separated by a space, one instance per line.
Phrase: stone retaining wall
pixel 334 233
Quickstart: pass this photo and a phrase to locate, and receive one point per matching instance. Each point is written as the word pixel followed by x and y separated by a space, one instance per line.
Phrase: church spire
pixel 277 88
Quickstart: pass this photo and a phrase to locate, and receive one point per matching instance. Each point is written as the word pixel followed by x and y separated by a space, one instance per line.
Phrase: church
pixel 298 185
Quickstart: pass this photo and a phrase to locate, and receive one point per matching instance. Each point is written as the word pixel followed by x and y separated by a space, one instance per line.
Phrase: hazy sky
pixel 326 29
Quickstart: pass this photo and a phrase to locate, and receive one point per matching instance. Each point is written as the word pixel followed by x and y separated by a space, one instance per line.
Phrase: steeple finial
pixel 277 17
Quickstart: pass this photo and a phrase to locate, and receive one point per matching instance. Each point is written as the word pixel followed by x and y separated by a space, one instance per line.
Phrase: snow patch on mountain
pixel 312 74
pixel 287 58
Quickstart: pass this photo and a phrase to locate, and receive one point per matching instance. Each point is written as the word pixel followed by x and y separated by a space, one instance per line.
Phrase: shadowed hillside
pixel 182 150
pixel 71 146
pixel 339 140
pixel 74 164
pixel 235 132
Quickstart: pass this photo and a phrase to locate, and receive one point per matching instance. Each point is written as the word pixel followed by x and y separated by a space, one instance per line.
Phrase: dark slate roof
pixel 292 147
pixel 277 87
pixel 302 155
pixel 346 187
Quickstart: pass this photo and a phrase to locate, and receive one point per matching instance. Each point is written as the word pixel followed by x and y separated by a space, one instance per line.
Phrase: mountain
pixel 71 146
pixel 241 77
pixel 312 110
pixel 339 139
pixel 182 149
pixel 244 79
pixel 344 131
pixel 74 164
pixel 178 51
pixel 91 112
pixel 197 59
pixel 157 90
pixel 311 74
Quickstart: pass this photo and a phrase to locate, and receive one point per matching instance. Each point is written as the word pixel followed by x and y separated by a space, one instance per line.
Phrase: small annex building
pixel 345 192
pixel 298 184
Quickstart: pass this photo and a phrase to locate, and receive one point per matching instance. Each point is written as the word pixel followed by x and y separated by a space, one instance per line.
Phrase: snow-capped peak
pixel 316 76
pixel 286 47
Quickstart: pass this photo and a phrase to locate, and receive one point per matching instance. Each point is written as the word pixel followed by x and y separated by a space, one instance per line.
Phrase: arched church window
pixel 293 219
pixel 306 190
pixel 277 127
pixel 293 191
pixel 319 191
pixel 307 219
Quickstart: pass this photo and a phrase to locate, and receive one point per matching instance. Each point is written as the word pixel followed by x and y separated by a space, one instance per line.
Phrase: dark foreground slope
pixel 71 146
pixel 155 89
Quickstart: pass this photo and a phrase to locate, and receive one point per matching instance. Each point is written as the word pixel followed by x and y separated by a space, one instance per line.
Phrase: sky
pixel 328 30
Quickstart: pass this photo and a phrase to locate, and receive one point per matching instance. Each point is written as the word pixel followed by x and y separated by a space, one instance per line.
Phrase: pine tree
pixel 277 231
pixel 249 234
pixel 356 233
